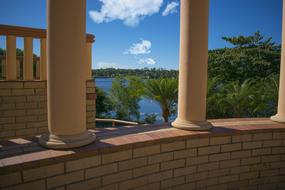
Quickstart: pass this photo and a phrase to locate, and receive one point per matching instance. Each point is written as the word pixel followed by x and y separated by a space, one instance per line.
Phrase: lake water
pixel 146 106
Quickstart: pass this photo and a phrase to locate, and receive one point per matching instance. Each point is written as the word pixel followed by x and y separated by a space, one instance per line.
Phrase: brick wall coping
pixel 24 153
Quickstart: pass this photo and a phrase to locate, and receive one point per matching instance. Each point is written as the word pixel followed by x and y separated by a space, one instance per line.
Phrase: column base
pixel 278 118
pixel 192 125
pixel 66 142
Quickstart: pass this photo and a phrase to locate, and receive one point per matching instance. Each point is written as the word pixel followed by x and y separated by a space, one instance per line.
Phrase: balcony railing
pixel 114 122
pixel 29 66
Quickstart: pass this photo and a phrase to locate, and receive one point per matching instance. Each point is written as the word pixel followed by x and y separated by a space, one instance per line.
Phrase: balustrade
pixel 29 66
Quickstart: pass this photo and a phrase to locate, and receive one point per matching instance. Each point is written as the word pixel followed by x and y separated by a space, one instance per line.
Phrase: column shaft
pixel 280 116
pixel 11 58
pixel 43 60
pixel 66 78
pixel 28 58
pixel 193 65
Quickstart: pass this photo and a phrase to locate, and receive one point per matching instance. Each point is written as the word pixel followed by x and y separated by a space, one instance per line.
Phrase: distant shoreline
pixel 147 73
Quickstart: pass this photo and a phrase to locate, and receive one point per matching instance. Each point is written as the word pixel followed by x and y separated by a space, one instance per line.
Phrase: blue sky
pixel 137 34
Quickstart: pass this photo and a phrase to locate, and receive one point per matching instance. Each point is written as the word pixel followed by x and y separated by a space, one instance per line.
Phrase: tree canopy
pixel 251 57
pixel 145 73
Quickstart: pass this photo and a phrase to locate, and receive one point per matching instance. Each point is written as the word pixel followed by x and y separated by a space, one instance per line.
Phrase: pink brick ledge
pixel 25 153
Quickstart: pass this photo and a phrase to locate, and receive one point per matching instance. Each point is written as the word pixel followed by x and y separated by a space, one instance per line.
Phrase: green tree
pixel 268 89
pixel 164 92
pixel 124 97
pixel 150 118
pixel 145 73
pixel 252 57
pixel 103 106
pixel 239 99
pixel 214 109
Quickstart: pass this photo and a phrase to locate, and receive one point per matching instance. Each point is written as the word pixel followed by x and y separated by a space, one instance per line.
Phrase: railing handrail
pixel 116 121
pixel 31 32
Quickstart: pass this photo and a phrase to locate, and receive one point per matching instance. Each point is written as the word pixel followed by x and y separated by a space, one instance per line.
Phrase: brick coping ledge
pixel 24 153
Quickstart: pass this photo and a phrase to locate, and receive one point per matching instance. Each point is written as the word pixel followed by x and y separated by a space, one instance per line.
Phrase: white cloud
pixel 131 12
pixel 170 8
pixel 104 65
pixel 147 61
pixel 143 47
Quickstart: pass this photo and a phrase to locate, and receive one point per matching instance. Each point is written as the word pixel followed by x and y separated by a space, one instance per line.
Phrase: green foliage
pixel 145 73
pixel 243 79
pixel 252 98
pixel 165 93
pixel 214 94
pixel 124 97
pixel 19 52
pixel 243 82
pixel 150 118
pixel 2 52
pixel 252 57
pixel 238 100
pixel 268 89
pixel 103 106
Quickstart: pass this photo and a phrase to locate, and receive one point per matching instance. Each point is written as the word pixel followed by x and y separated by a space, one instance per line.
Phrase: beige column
pixel 193 65
pixel 280 116
pixel 43 59
pixel 89 60
pixel 66 78
pixel 11 68
pixel 28 58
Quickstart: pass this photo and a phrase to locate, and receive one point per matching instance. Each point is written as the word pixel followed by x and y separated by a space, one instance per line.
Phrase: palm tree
pixel 124 97
pixel 165 93
pixel 214 94
pixel 272 87
pixel 240 99
pixel 269 89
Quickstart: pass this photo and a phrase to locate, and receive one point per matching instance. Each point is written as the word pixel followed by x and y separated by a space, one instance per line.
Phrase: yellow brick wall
pixel 251 161
pixel 23 108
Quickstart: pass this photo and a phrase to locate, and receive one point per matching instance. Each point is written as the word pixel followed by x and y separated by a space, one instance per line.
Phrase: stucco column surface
pixel 193 65
pixel 280 116
pixel 43 60
pixel 28 58
pixel 11 58
pixel 66 78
